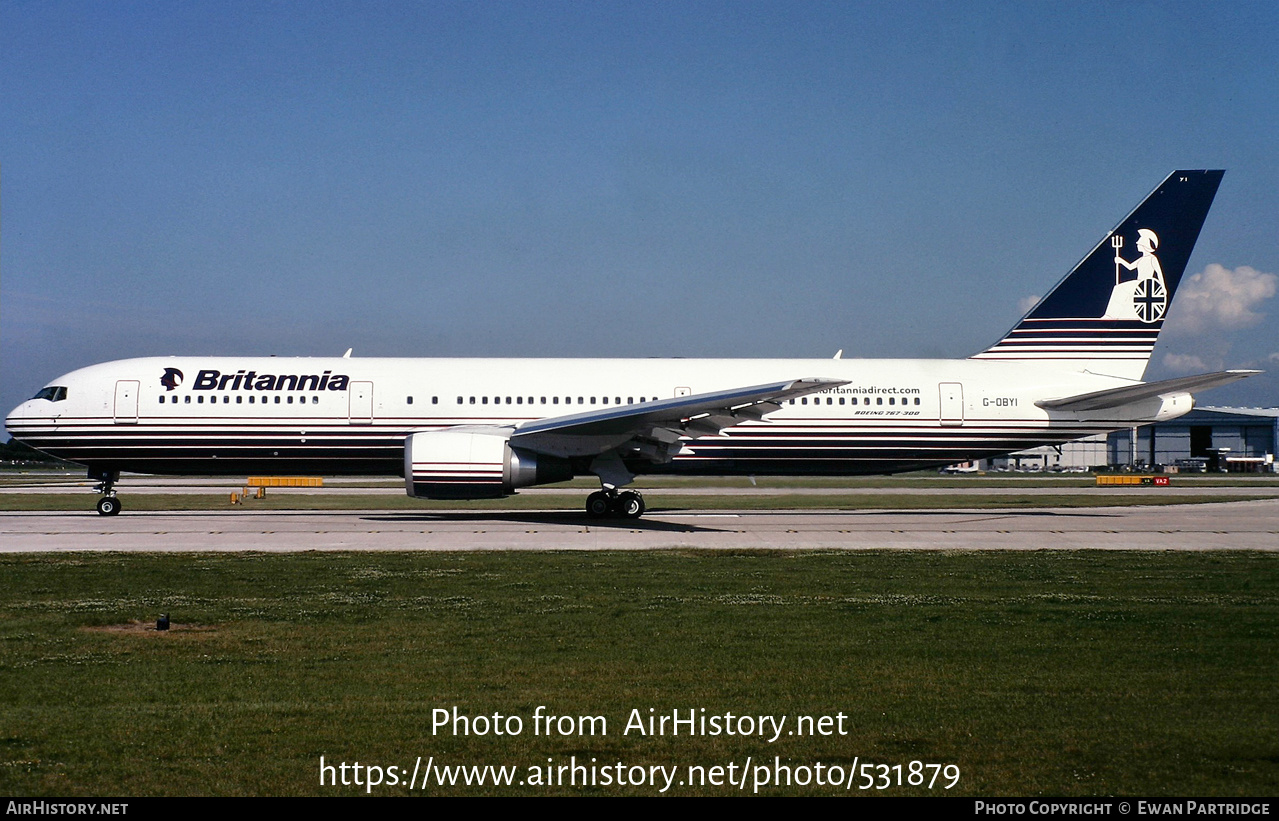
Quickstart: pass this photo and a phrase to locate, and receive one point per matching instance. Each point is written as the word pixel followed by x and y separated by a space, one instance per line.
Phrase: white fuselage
pixel 238 415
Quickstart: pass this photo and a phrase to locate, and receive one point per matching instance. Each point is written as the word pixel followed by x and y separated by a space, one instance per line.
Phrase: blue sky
pixel 615 179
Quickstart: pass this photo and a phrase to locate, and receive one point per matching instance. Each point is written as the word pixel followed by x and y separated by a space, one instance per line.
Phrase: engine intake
pixel 474 463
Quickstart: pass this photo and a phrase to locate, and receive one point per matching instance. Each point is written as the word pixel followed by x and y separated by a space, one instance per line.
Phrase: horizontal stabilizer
pixel 1114 397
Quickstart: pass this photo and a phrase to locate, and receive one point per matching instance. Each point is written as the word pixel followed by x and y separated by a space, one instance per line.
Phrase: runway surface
pixel 1235 526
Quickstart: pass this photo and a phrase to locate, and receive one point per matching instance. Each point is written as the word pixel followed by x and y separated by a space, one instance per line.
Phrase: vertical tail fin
pixel 1106 314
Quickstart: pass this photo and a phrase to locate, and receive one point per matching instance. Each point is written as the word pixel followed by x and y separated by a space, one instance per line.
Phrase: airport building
pixel 1211 439
pixel 1070 456
pixel 1231 439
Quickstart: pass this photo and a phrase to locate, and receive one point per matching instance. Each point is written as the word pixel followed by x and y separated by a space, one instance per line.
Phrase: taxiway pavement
pixel 1252 525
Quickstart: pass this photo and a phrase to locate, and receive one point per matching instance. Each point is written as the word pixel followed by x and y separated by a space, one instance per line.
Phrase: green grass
pixel 1051 673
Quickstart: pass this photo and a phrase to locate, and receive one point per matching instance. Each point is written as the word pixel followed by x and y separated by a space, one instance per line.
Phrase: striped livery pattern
pixel 1078 340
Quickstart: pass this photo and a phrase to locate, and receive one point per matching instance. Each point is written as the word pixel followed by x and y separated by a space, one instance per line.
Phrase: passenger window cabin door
pixel 361 408
pixel 126 401
pixel 952 404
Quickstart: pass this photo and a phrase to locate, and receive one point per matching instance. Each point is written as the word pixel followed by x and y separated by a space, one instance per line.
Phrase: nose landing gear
pixel 628 504
pixel 109 504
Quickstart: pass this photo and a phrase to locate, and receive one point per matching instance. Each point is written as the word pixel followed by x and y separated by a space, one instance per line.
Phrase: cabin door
pixel 126 401
pixel 361 394
pixel 952 403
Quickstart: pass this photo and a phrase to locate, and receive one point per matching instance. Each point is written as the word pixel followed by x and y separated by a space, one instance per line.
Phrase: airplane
pixel 1072 367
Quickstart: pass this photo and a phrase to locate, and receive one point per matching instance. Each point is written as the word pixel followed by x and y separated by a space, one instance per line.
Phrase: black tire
pixel 108 506
pixel 598 505
pixel 630 504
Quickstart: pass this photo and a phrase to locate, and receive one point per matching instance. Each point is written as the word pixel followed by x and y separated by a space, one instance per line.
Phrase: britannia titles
pixel 212 380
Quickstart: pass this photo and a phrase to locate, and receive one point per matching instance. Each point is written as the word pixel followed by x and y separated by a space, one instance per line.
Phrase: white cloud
pixel 1027 302
pixel 1219 298
pixel 1186 363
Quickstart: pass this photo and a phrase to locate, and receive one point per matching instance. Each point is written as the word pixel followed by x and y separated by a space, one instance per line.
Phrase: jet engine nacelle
pixel 474 463
pixel 1174 405
pixel 1154 409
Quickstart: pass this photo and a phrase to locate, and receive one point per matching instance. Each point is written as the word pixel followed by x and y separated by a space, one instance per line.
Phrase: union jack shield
pixel 1150 300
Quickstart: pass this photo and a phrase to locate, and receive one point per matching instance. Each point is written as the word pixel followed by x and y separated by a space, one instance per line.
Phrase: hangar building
pixel 1234 439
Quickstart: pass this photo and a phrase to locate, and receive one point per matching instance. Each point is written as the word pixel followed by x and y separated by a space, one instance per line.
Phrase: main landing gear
pixel 628 504
pixel 109 504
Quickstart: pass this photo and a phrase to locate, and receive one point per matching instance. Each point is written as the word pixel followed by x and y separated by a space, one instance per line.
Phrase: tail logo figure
pixel 171 379
pixel 1144 298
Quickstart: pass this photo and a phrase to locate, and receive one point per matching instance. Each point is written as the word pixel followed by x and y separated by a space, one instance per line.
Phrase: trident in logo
pixel 1146 297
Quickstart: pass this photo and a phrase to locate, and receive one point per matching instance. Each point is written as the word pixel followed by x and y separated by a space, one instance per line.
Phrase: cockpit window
pixel 54 393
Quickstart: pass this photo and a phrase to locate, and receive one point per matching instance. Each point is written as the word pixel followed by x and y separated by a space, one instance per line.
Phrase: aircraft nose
pixel 17 416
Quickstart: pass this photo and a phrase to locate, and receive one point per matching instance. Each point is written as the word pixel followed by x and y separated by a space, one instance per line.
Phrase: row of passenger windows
pixel 630 400
pixel 239 399
pixel 435 400
pixel 498 400
pixel 554 400
pixel 879 400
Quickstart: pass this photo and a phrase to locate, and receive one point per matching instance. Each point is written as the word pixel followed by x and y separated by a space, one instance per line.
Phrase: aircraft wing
pixel 1114 397
pixel 655 427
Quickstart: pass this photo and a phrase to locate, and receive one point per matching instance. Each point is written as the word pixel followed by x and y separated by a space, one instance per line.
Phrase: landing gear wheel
pixel 598 505
pixel 108 506
pixel 630 504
